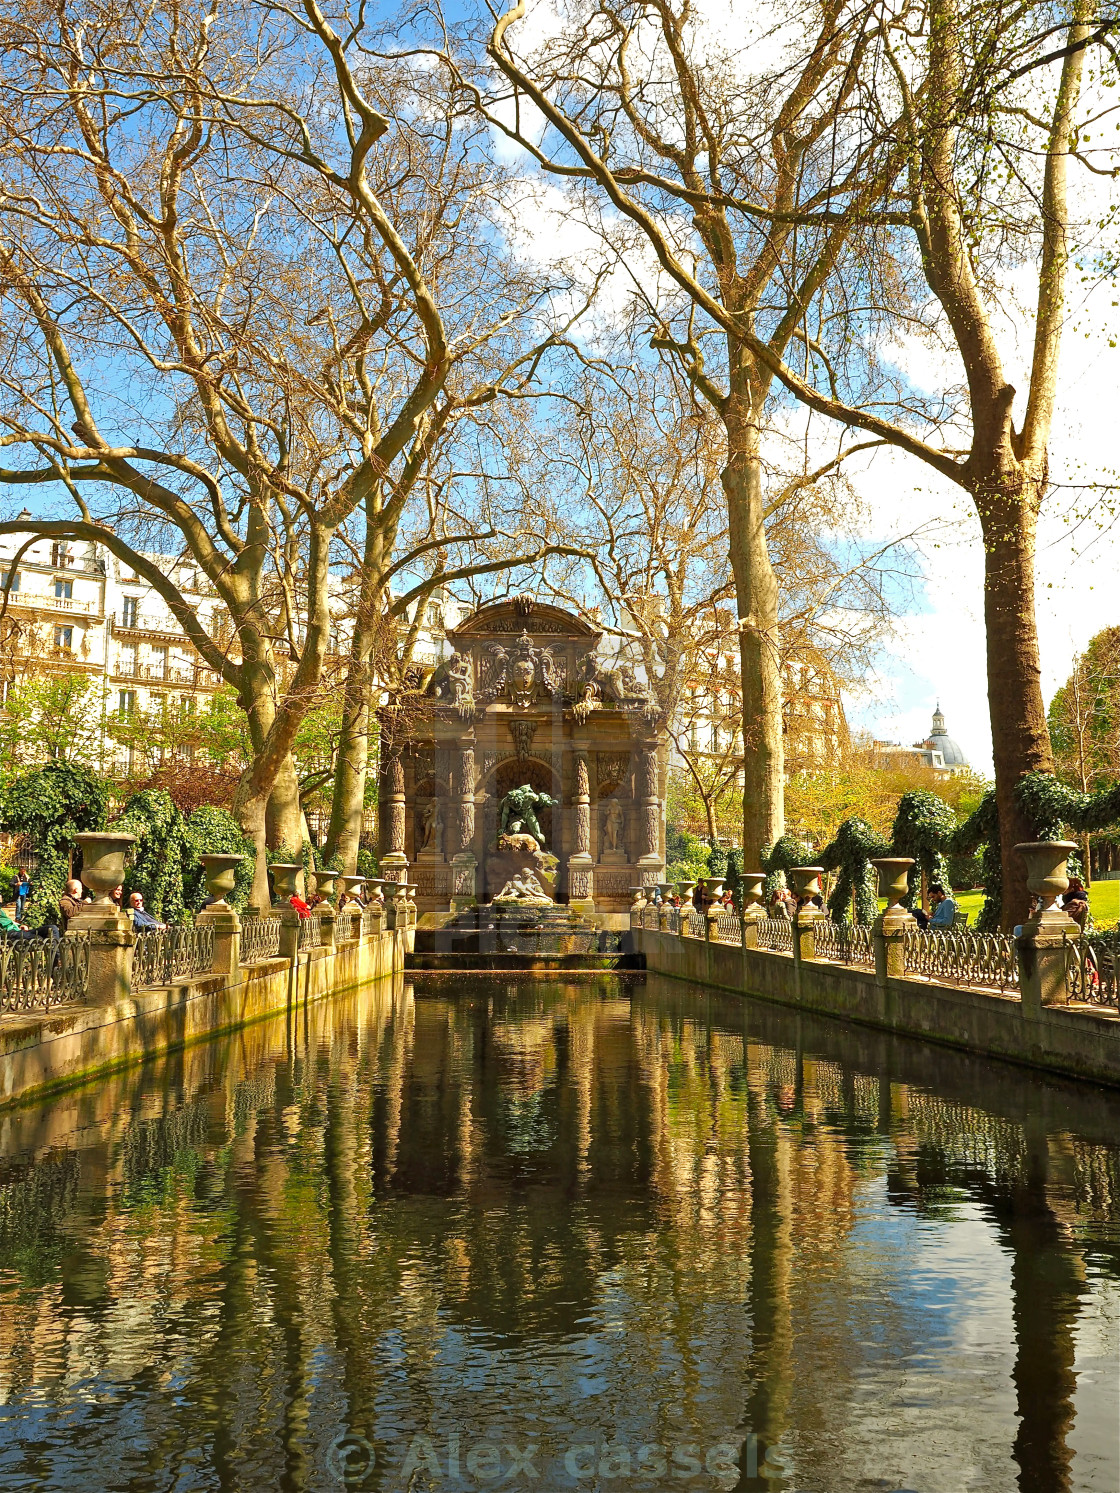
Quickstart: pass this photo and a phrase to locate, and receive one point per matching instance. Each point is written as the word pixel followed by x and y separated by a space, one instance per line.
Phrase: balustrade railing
pixel 962 957
pixel 1094 968
pixel 168 956
pixel 693 924
pixel 844 943
pixel 775 934
pixel 729 928
pixel 370 916
pixel 38 973
pixel 260 939
pixel 344 925
pixel 310 932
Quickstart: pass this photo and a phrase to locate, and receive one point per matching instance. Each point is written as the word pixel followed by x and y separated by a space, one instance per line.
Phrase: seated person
pixel 142 921
pixel 70 903
pixel 9 928
pixel 300 905
pixel 1075 903
pixel 943 910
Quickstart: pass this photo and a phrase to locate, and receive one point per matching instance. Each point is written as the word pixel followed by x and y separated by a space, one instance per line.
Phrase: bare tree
pixel 984 105
pixel 247 264
pixel 738 183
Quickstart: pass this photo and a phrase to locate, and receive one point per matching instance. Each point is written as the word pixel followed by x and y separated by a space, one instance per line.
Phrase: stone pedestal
pixel 1050 939
pixel 326 915
pixel 464 881
pixel 889 930
pixel 289 921
pixel 227 937
pixel 111 941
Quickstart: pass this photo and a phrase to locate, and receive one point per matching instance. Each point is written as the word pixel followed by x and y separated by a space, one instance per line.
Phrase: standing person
pixel 23 892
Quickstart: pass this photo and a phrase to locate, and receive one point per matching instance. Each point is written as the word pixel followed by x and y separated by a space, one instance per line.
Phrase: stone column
pixel 890 928
pixel 464 863
pixel 394 861
pixel 649 810
pixel 1050 938
pixel 580 864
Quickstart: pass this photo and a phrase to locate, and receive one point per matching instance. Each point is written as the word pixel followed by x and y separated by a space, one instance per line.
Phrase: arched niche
pixel 513 773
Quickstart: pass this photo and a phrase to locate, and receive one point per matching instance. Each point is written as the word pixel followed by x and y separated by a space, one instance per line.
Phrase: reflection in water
pixel 611 1235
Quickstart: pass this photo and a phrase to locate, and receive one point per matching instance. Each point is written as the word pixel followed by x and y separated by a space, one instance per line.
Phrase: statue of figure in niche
pixel 613 827
pixel 519 813
pixel 431 826
pixel 452 681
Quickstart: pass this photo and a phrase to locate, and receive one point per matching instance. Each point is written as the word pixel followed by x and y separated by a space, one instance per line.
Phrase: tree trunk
pixel 1020 737
pixel 756 594
pixel 283 815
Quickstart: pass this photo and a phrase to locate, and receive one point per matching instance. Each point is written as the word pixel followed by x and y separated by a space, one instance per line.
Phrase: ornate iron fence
pixel 170 955
pixel 693 924
pixel 344 925
pixel 38 973
pixel 310 932
pixel 1094 968
pixel 775 934
pixel 844 943
pixel 260 939
pixel 729 929
pixel 961 957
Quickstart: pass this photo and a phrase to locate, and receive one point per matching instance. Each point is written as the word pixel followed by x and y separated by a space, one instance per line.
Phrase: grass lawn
pixel 1104 902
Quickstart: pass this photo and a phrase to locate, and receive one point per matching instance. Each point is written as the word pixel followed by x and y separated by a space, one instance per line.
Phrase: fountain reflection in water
pixel 634 1227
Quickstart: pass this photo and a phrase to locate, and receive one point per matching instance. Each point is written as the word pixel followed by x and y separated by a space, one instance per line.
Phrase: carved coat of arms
pixel 521 674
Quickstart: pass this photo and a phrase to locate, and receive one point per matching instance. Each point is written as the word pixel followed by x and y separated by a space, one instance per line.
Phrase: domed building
pixel 939 741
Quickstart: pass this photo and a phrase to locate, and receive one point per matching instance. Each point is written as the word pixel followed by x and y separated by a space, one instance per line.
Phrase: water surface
pixel 604 1235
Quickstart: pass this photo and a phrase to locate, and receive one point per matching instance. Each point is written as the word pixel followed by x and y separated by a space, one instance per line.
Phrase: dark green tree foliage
pixel 735 875
pixel 923 828
pixel 50 806
pixel 717 861
pixel 216 832
pixel 367 862
pixel 850 855
pixel 163 856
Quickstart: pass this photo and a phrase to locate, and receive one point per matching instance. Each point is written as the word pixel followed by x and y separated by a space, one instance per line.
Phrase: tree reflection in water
pixel 626 1224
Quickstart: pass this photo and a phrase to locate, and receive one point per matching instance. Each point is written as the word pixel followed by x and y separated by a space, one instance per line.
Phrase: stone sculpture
pixel 431 827
pixel 519 812
pixel 613 827
pixel 523 887
pixel 452 681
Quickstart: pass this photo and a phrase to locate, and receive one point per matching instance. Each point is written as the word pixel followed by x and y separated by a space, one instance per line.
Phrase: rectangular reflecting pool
pixel 472 1233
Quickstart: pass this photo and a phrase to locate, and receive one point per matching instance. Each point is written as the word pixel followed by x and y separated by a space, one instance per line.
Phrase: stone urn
pixel 375 888
pixel 103 858
pixel 1046 875
pixel 894 883
pixel 410 890
pixel 752 882
pixel 324 885
pixel 713 888
pixel 352 885
pixel 220 872
pixel 685 890
pixel 807 883
pixel 285 882
pixel 639 895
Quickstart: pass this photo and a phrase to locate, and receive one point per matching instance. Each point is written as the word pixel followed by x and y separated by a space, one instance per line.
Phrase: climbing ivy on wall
pixel 786 853
pixel 1051 806
pixel 850 854
pixel 50 806
pixel 981 831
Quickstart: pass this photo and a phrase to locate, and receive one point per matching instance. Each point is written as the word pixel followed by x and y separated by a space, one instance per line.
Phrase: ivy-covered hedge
pixel 162 858
pixel 923 828
pixel 850 854
pixel 50 806
pixel 216 832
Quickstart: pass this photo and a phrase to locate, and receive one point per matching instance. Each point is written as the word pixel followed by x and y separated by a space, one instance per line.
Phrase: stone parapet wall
pixel 41 1052
pixel 1077 1041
